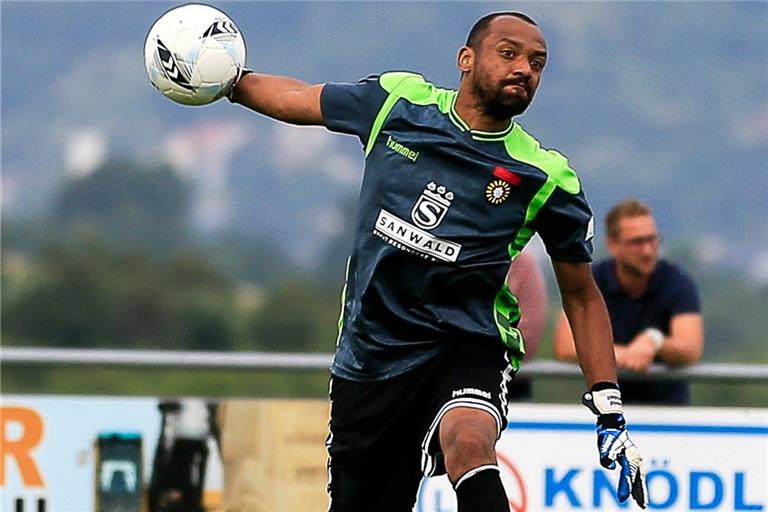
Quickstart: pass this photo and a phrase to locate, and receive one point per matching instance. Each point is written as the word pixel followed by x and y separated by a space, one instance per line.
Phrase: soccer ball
pixel 192 54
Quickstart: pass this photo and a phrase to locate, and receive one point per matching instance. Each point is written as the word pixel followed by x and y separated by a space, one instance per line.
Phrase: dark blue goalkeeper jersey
pixel 443 211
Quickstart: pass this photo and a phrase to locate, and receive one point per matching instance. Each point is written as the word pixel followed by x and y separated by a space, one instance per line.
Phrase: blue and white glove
pixel 614 444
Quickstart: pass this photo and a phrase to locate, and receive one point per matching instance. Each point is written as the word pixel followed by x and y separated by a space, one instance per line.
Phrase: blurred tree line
pixel 116 263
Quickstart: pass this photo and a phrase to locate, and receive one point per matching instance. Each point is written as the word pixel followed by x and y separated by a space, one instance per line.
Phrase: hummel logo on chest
pixel 402 150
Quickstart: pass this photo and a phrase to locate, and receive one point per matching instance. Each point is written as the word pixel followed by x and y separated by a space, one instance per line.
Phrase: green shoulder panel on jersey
pixel 416 90
pixel 523 147
pixel 412 88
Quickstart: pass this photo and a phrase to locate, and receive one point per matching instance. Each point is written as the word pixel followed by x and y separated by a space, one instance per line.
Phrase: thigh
pixel 470 375
pixel 373 445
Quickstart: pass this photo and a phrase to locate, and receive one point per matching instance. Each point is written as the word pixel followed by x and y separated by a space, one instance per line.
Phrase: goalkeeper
pixel 453 189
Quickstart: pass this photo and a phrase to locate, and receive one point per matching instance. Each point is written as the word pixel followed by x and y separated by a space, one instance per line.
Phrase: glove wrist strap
pixel 603 400
pixel 240 74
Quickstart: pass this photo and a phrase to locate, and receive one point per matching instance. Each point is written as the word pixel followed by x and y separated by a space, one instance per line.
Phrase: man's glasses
pixel 641 241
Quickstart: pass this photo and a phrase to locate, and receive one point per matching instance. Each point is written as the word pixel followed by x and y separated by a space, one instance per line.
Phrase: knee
pixel 466 446
pixel 468 443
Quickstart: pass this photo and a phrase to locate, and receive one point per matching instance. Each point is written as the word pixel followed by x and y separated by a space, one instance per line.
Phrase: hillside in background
pixel 663 101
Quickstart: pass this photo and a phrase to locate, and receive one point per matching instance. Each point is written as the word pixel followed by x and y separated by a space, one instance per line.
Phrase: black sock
pixel 480 490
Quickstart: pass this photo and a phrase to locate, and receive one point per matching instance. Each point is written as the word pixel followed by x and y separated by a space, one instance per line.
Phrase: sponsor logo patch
pixel 471 391
pixel 432 205
pixel 427 213
pixel 410 238
pixel 402 150
pixel 497 191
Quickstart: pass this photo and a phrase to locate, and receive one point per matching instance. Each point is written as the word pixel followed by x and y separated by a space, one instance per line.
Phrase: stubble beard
pixel 636 270
pixel 495 103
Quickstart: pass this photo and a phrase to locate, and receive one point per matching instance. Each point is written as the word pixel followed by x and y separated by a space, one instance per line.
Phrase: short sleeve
pixel 686 296
pixel 566 226
pixel 351 108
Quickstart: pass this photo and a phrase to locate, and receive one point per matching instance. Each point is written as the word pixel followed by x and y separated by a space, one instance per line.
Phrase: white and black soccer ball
pixel 192 54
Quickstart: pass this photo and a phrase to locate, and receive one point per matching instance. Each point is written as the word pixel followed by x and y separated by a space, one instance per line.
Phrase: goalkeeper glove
pixel 241 72
pixel 613 443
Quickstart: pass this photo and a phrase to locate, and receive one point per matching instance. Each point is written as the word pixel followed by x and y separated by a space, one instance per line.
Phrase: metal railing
pixel 707 372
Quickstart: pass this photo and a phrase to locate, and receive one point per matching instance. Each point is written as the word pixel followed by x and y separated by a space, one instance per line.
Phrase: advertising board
pixel 696 459
pixel 709 459
pixel 48 450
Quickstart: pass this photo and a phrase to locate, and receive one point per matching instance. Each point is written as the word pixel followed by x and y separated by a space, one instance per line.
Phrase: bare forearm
pixel 279 97
pixel 678 351
pixel 685 342
pixel 591 329
pixel 564 348
pixel 588 318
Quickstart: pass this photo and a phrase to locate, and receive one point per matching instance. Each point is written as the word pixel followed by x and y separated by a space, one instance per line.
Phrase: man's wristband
pixel 656 336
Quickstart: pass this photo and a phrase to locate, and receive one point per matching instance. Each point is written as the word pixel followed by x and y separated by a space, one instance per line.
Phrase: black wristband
pixel 243 72
pixel 599 386
pixel 240 74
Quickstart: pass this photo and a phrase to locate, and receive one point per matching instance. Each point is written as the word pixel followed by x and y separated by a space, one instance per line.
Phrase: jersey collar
pixel 477 134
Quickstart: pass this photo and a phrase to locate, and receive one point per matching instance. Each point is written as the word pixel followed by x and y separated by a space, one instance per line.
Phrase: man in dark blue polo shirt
pixel 654 307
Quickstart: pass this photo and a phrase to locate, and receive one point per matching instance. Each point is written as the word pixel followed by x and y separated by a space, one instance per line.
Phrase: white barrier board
pixel 697 458
pixel 47 447
pixel 709 459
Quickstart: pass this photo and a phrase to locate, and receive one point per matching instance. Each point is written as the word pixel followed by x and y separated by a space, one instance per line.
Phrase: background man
pixel 453 190
pixel 654 306
pixel 526 281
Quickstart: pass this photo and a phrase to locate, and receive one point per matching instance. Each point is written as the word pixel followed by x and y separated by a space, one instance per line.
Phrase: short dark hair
pixel 480 26
pixel 623 210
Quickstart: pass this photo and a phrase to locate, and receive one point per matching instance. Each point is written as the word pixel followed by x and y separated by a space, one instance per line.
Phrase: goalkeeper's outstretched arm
pixel 279 97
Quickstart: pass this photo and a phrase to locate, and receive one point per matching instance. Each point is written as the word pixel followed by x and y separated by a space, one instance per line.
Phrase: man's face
pixel 636 246
pixel 504 68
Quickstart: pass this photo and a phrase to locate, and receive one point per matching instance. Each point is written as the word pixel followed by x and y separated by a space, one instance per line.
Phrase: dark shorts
pixel 384 434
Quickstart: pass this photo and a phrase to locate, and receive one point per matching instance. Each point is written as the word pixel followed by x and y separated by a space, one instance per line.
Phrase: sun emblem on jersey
pixel 497 191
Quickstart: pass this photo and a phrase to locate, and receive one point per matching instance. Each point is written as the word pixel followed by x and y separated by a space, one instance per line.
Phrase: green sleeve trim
pixel 524 148
pixel 537 203
pixel 386 108
pixel 412 88
pixel 506 314
pixel 340 323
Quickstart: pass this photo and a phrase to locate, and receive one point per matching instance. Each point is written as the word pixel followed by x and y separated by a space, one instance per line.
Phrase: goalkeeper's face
pixel 503 67
pixel 635 247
